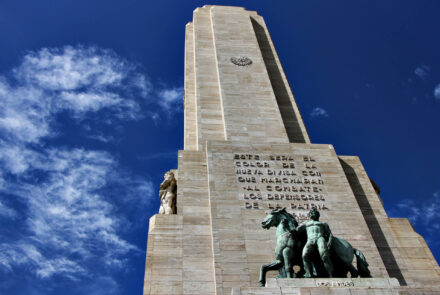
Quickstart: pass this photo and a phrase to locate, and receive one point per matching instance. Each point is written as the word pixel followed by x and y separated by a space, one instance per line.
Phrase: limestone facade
pixel 246 152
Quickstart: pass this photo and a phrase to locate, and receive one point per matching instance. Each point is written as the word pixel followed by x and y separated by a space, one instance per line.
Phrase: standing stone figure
pixel 167 194
pixel 319 239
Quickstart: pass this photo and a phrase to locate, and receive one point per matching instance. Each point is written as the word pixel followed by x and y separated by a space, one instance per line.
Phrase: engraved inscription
pixel 334 284
pixel 276 181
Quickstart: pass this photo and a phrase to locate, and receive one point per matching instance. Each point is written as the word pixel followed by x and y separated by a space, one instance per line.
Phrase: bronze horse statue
pixel 289 248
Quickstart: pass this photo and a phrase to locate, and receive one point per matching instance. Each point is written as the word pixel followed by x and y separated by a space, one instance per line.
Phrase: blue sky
pixel 91 117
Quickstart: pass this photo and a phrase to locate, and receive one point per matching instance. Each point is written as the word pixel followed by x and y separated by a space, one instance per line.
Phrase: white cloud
pixel 24 113
pixel 14 157
pixel 29 255
pixel 72 68
pixel 422 71
pixel 437 92
pixel 156 156
pixel 6 211
pixel 318 112
pixel 69 214
pixel 426 213
pixel 425 216
pixel 171 98
pixel 75 79
pixel 70 220
pixel 84 101
pixel 101 285
pixel 102 138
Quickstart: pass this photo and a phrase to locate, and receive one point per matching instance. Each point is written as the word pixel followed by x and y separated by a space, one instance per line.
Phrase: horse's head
pixel 272 219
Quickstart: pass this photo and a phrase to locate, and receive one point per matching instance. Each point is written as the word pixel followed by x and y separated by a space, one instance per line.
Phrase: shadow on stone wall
pixel 381 242
pixel 288 115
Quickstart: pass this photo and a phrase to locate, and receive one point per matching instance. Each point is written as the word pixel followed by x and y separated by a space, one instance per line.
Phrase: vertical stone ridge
pixel 164 256
pixel 198 260
pixel 220 90
pixel 190 107
pixel 209 115
pixel 218 275
pixel 228 237
pixel 288 108
pixel 196 108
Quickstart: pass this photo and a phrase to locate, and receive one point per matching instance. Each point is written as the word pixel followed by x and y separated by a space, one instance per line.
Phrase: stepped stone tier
pixel 247 153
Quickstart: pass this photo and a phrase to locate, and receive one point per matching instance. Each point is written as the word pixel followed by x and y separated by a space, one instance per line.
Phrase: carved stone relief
pixel 241 61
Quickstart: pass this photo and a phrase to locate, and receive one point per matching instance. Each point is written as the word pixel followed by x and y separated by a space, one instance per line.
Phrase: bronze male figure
pixel 319 239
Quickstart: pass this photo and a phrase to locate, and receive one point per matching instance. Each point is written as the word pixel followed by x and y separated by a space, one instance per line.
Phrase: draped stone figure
pixel 167 194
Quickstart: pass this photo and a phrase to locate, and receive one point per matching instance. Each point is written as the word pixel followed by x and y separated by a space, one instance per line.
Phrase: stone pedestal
pixel 335 286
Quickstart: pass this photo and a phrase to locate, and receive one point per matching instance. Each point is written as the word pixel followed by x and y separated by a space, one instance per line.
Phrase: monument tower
pixel 247 155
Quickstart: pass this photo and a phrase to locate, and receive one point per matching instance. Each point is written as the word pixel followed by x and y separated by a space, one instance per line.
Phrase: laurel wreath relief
pixel 241 61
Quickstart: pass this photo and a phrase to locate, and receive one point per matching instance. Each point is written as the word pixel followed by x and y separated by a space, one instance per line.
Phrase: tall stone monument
pixel 246 156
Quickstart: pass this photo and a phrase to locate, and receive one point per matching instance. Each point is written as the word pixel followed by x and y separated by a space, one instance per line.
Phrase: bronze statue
pixel 321 251
pixel 319 239
pixel 288 249
pixel 167 194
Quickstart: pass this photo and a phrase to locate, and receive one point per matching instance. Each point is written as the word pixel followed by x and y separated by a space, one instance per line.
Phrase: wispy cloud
pixel 318 112
pixel 28 255
pixel 171 98
pixel 426 213
pixel 6 211
pixel 422 71
pixel 437 92
pixel 76 80
pixel 163 155
pixel 425 87
pixel 68 216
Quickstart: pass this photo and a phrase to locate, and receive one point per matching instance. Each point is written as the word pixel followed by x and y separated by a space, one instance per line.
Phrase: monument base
pixel 339 286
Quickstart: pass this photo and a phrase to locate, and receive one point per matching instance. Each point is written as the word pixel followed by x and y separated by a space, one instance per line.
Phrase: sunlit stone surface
pixel 247 152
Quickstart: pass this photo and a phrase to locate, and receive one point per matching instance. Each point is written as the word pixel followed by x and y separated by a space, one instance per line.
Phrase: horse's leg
pixel 288 256
pixel 279 257
pixel 353 271
pixel 274 265
pixel 282 273
pixel 297 259
pixel 362 264
pixel 301 270
pixel 346 256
